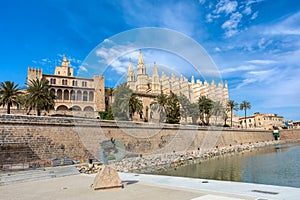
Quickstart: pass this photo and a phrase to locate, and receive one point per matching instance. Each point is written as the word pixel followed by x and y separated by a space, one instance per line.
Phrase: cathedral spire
pixel 130 69
pixel 141 65
pixel 155 73
pixel 141 61
pixel 130 72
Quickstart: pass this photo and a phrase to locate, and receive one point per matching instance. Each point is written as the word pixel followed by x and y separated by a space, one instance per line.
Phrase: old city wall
pixel 29 138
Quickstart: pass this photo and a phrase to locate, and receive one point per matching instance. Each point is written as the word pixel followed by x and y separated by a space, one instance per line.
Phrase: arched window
pixel 85 96
pixel 53 81
pixel 79 96
pixel 74 83
pixel 84 84
pixel 52 91
pixel 62 107
pixel 66 95
pixel 59 94
pixel 64 82
pixel 91 96
pixel 88 108
pixel 75 108
pixel 73 97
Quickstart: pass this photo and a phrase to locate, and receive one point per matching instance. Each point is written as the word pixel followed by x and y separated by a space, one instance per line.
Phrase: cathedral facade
pixel 144 85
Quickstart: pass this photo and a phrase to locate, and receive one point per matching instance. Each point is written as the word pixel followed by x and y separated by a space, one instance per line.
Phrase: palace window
pixel 91 96
pixel 53 81
pixel 65 82
pixel 59 94
pixel 73 95
pixel 74 83
pixel 79 96
pixel 85 96
pixel 84 84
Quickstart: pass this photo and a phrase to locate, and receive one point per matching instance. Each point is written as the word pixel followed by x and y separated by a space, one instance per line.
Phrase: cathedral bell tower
pixel 142 77
pixel 130 76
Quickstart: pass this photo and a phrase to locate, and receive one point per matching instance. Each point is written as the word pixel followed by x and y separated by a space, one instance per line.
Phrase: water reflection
pixel 275 165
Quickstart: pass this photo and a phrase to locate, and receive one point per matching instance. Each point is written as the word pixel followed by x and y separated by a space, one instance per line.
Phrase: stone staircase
pixel 13 177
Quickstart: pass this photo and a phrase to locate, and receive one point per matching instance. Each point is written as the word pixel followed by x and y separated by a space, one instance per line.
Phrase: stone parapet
pixel 43 137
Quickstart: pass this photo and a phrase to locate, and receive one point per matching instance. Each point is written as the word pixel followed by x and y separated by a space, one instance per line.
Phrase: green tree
pixel 9 94
pixel 194 112
pixel 107 115
pixel 244 106
pixel 120 106
pixel 232 105
pixel 108 97
pixel 217 110
pixel 38 96
pixel 205 107
pixel 159 105
pixel 135 105
pixel 185 106
pixel 173 109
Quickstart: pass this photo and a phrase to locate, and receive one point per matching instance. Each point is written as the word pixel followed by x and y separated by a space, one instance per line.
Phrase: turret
pixel 130 76
pixel 141 65
pixel 155 80
pixel 142 78
pixel 34 74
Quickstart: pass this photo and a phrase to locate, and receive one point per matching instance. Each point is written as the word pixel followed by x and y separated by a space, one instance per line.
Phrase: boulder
pixel 107 177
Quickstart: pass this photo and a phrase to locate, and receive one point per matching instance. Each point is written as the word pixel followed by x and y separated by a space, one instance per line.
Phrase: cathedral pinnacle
pixel 130 68
pixel 140 61
pixel 155 73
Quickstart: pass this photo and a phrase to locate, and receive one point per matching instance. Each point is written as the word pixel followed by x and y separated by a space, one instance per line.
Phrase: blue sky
pixel 255 44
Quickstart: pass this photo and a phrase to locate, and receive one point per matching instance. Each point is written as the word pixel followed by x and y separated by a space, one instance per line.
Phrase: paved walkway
pixel 145 187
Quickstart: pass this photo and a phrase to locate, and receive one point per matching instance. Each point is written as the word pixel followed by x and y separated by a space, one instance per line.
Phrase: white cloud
pixel 238 69
pixel 110 56
pixel 82 68
pixel 226 6
pixel 263 62
pixel 254 16
pixel 288 26
pixel 247 10
pixel 264 76
pixel 217 49
pixel 231 25
pixel 202 1
pixel 176 15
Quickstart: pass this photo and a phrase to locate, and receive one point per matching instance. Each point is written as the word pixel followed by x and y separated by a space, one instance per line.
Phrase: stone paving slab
pixel 247 190
pixel 145 187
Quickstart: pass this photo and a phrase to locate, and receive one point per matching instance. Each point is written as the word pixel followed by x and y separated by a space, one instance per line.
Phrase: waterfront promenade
pixel 146 187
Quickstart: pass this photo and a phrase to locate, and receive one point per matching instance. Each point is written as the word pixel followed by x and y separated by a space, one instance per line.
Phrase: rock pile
pixel 89 168
pixel 154 162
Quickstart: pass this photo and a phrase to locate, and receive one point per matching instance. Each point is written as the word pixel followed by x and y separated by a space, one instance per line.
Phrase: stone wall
pixel 39 138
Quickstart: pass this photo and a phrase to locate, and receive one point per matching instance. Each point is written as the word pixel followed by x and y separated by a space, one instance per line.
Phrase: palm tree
pixel 120 107
pixel 205 108
pixel 9 94
pixel 185 106
pixel 232 105
pixel 173 109
pixel 108 97
pixel 194 112
pixel 38 96
pixel 244 106
pixel 160 105
pixel 217 110
pixel 135 105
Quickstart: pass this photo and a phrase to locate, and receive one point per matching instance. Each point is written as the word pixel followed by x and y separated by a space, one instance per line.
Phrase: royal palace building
pixel 75 96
